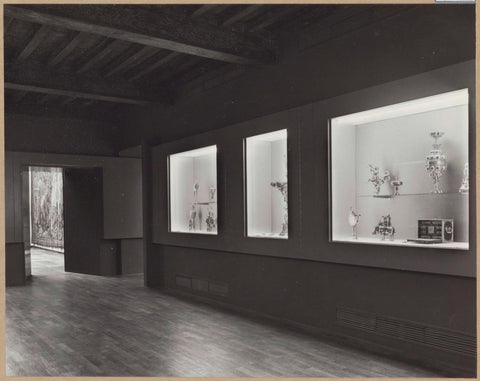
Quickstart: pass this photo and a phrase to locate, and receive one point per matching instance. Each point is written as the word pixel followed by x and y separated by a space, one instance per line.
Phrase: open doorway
pixel 46 219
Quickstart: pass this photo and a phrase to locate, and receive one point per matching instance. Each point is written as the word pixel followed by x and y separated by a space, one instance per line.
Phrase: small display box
pixel 399 174
pixel 436 228
pixel 193 191
pixel 267 185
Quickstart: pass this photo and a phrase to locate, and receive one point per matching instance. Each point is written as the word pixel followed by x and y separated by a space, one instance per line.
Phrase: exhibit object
pixel 465 182
pixel 384 228
pixel 192 191
pixel 377 180
pixel 396 184
pixel 436 228
pixel 379 169
pixel 266 185
pixel 436 164
pixel 353 219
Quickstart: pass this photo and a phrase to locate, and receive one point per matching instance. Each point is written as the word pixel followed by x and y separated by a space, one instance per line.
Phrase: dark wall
pixel 14 264
pixel 58 135
pixel 86 251
pixel 422 39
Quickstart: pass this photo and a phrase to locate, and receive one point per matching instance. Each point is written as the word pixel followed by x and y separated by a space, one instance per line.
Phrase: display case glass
pixel 399 174
pixel 193 191
pixel 267 185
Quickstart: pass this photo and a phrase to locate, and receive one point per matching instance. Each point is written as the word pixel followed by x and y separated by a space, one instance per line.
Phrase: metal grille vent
pixel 433 337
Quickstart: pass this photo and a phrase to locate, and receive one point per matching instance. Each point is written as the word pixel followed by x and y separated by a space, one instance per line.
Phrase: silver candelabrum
pixel 436 162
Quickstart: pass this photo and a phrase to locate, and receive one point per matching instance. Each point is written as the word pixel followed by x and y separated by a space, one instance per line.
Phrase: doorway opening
pixel 46 217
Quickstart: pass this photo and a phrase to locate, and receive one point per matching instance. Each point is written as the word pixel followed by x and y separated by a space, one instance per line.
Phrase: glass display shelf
pixel 404 242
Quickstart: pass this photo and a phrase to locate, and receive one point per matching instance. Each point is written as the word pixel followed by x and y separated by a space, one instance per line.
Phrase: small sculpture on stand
pixel 385 228
pixel 211 192
pixel 396 184
pixel 210 221
pixel 436 162
pixel 195 191
pixel 353 219
pixel 376 180
pixel 191 220
pixel 282 186
pixel 465 182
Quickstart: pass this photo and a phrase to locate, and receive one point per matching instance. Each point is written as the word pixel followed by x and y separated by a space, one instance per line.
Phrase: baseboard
pixel 446 368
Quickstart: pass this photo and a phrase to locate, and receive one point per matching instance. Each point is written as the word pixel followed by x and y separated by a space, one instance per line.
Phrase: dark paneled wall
pixel 57 135
pixel 422 39
pixel 14 264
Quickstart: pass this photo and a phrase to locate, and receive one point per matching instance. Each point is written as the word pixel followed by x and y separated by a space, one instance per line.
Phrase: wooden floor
pixel 65 324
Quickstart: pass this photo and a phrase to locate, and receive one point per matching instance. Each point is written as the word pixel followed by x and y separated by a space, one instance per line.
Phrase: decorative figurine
pixel 396 184
pixel 195 191
pixel 465 182
pixel 211 192
pixel 282 186
pixel 191 220
pixel 376 180
pixel 199 217
pixel 210 221
pixel 436 163
pixel 353 221
pixel 385 228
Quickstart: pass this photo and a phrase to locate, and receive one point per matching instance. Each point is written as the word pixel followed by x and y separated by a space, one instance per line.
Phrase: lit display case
pixel 266 185
pixel 399 174
pixel 193 191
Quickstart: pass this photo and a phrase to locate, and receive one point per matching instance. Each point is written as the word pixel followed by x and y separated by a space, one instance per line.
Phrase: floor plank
pixel 66 324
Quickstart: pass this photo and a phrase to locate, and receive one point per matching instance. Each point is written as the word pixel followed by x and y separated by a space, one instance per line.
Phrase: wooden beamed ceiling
pixel 93 60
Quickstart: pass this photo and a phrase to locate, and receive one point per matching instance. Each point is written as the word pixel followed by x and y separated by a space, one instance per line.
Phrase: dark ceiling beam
pixel 243 14
pixel 283 11
pixel 134 59
pixel 71 93
pixel 57 110
pixel 45 98
pixel 7 22
pixel 35 77
pixel 106 51
pixel 202 10
pixel 162 61
pixel 160 30
pixel 37 38
pixel 69 100
pixel 69 48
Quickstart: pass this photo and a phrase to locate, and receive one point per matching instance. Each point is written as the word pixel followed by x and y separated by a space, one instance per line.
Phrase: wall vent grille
pixel 202 285
pixel 434 337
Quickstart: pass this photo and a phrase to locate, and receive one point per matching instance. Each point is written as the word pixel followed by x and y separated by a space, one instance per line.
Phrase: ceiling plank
pixel 35 77
pixel 202 10
pixel 138 57
pixel 100 55
pixel 160 30
pixel 244 13
pixel 71 93
pixel 7 23
pixel 37 38
pixel 283 11
pixel 69 48
pixel 162 61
